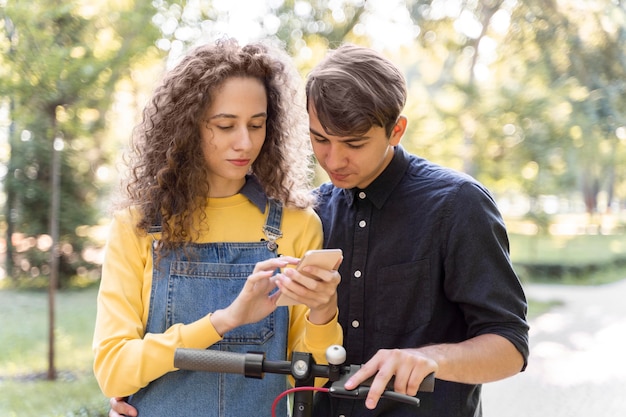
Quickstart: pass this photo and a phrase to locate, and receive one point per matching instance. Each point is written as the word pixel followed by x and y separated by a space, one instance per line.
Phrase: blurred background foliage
pixel 527 96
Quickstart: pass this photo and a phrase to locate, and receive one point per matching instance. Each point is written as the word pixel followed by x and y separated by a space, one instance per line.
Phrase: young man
pixel 427 282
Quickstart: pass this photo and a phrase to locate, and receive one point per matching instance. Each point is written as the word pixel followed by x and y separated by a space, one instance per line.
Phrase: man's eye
pixel 351 146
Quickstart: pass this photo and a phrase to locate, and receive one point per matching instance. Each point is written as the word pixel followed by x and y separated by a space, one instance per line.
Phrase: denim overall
pixel 185 289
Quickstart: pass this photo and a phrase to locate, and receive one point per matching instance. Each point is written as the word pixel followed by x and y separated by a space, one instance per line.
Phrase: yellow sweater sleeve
pixel 125 359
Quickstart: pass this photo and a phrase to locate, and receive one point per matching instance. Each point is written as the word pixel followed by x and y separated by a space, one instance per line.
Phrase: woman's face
pixel 233 132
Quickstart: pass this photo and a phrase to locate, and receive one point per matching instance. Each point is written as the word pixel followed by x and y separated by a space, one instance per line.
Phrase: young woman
pixel 218 200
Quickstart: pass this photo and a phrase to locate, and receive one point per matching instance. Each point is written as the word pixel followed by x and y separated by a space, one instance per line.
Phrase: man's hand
pixel 119 408
pixel 481 359
pixel 409 366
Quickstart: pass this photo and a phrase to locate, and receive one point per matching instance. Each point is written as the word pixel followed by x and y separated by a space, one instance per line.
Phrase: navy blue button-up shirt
pixel 426 261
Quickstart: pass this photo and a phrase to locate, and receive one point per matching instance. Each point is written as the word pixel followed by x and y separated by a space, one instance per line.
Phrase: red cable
pixel 289 391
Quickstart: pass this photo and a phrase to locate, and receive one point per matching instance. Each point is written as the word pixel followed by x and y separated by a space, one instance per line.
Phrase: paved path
pixel 577 363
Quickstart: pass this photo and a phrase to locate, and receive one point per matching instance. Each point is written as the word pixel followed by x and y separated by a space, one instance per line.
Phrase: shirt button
pixel 361 195
pixel 355 323
pixel 362 223
pixel 357 274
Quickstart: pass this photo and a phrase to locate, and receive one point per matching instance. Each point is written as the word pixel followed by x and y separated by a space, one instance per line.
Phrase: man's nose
pixel 335 158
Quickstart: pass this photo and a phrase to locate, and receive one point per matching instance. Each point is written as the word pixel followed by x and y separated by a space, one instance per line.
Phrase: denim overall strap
pixel 186 286
pixel 270 229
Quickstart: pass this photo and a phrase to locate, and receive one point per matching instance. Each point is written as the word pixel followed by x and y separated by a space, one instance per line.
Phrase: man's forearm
pixel 482 359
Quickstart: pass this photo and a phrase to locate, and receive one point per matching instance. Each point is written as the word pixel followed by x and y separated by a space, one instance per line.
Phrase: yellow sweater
pixel 126 359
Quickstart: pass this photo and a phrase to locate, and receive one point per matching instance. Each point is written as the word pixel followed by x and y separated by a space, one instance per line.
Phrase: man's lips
pixel 337 176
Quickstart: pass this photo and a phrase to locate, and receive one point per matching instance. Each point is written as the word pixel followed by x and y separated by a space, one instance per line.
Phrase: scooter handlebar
pixel 215 360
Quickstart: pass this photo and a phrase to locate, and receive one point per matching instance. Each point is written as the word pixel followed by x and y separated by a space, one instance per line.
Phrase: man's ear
pixel 398 130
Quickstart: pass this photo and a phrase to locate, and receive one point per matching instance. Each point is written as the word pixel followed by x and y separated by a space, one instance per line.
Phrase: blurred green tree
pixel 527 96
pixel 58 71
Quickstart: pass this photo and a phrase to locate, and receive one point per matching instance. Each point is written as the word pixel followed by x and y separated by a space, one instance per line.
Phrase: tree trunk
pixel 57 146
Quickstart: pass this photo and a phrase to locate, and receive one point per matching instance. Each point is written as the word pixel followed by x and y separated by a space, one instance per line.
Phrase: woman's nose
pixel 243 140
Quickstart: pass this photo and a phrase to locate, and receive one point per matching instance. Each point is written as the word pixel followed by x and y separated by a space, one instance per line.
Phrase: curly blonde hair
pixel 166 162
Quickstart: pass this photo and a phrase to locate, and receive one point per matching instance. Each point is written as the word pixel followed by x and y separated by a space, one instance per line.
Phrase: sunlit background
pixel 526 96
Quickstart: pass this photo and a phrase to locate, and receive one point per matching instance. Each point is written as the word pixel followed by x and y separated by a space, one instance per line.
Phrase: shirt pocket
pixel 196 289
pixel 403 297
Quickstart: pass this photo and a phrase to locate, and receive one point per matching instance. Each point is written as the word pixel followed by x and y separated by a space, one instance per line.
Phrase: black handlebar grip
pixel 210 361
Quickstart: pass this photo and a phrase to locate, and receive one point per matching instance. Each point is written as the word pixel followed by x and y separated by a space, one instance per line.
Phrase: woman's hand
pixel 254 301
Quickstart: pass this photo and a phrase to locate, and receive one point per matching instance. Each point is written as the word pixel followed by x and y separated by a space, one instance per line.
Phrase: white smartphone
pixel 323 258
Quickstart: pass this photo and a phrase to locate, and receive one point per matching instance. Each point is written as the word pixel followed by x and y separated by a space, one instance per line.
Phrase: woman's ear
pixel 398 130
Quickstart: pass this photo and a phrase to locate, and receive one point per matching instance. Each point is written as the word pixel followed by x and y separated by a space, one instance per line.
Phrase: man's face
pixel 353 161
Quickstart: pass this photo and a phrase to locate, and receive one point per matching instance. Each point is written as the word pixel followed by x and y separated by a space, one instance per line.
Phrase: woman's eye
pixel 224 127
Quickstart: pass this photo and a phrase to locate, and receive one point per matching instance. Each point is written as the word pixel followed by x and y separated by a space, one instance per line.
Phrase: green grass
pixel 577 259
pixel 24 355
pixel 537 308
pixel 572 250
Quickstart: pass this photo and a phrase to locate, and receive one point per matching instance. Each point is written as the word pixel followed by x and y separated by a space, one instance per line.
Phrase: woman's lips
pixel 239 162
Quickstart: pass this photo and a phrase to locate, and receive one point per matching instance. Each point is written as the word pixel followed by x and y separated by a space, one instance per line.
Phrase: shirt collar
pixel 254 192
pixel 381 188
